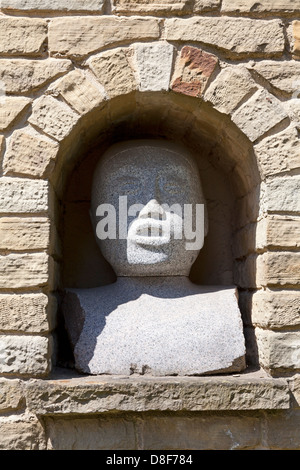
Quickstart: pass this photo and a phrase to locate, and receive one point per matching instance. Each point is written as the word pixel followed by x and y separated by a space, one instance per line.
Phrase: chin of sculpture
pixel 153 319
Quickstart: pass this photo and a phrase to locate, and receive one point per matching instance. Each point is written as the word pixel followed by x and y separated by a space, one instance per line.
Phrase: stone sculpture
pixel 153 319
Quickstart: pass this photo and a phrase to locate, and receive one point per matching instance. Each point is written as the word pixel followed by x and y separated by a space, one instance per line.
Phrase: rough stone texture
pixel 21 75
pixel 259 114
pixel 279 231
pixel 193 70
pixel 56 5
pixel 82 36
pixel 282 75
pixel 11 395
pixel 80 92
pixel 263 38
pixel 29 313
pixel 164 6
pixel 26 270
pixel 276 309
pixel 295 388
pixel 230 88
pixel 26 355
pixel 29 153
pixel 292 107
pixel 114 72
pixel 296 34
pixel 2 141
pixel 289 422
pixel 279 269
pixel 22 36
pixel 89 395
pixel 23 195
pixel 265 6
pixel 279 350
pixel 283 194
pixel 54 117
pixel 21 234
pixel 21 432
pixel 11 108
pixel 154 64
pixel 279 153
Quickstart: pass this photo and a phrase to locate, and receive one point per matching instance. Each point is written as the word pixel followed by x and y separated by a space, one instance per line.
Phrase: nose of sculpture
pixel 152 210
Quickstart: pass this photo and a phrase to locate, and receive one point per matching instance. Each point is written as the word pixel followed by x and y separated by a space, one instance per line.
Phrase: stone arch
pixel 221 111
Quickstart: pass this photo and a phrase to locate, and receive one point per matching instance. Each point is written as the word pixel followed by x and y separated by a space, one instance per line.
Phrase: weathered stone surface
pixel 281 430
pixel 22 36
pixel 278 350
pixel 295 388
pixel 29 313
pixel 279 153
pixel 54 117
pixel 114 72
pixel 18 234
pixel 2 141
pixel 164 6
pixel 230 87
pixel 282 194
pixel 278 231
pixel 10 109
pixel 53 5
pixel 11 395
pixel 88 395
pixel 193 70
pixel 296 34
pixel 29 153
pixel 154 64
pixel 21 75
pixel 80 92
pixel 259 114
pixel 26 355
pixel 292 108
pixel 278 269
pixel 265 6
pixel 82 36
pixel 263 38
pixel 275 309
pixel 23 195
pixel 21 432
pixel 26 270
pixel 282 75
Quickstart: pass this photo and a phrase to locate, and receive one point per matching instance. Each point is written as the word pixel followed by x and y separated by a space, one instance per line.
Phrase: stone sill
pixel 66 393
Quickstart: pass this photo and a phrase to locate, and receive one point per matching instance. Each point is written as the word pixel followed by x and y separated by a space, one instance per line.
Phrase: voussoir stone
pixel 29 153
pixel 263 38
pixel 53 5
pixel 82 36
pixel 24 355
pixel 265 6
pixel 10 108
pixel 21 75
pixel 54 117
pixel 193 70
pixel 259 115
pixel 29 313
pixel 279 153
pixel 21 195
pixel 282 75
pixel 22 36
pixel 230 87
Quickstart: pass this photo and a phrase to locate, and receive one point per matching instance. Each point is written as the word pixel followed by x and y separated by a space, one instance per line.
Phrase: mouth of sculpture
pixel 149 232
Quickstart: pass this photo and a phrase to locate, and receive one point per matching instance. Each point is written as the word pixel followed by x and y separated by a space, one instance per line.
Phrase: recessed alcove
pixel 228 173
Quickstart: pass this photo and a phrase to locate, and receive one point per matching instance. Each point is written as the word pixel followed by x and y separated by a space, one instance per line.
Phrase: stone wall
pixel 223 78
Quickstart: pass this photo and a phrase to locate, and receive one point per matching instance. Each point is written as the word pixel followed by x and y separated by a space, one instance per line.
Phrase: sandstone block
pixel 278 231
pixel 153 7
pixel 114 72
pixel 19 234
pixel 278 350
pixel 193 70
pixel 279 153
pixel 292 107
pixel 23 195
pixel 296 35
pixel 295 388
pixel 26 355
pixel 21 75
pixel 263 38
pixel 275 309
pixel 282 75
pixel 53 5
pixel 281 430
pixel 80 92
pixel 21 432
pixel 26 270
pixel 266 6
pixel 282 194
pixel 22 36
pixel 154 64
pixel 11 395
pixel 230 87
pixel 29 313
pixel 278 269
pixel 55 118
pixel 82 36
pixel 259 114
pixel 11 108
pixel 29 153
